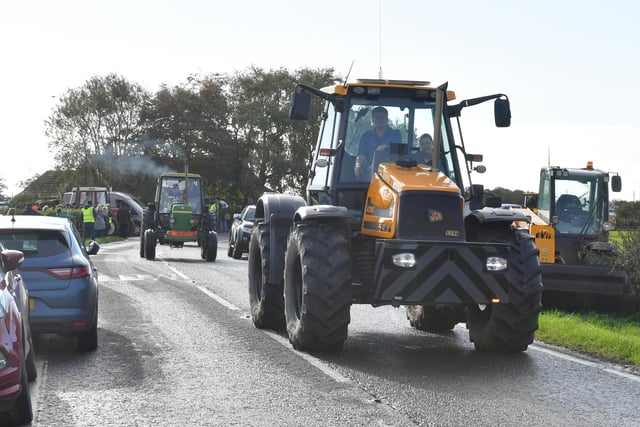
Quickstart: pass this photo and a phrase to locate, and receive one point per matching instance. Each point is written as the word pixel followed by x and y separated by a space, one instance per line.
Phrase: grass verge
pixel 616 338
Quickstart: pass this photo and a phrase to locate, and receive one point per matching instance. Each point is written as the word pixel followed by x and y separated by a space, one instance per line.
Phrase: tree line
pixel 233 130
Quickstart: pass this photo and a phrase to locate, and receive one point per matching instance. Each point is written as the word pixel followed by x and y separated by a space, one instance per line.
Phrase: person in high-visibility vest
pixel 88 221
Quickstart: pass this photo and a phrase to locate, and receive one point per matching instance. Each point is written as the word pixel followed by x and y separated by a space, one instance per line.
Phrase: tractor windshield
pixel 386 130
pixel 175 190
pixel 579 204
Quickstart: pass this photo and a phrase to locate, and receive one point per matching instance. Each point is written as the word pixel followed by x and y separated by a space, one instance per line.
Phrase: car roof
pixel 34 221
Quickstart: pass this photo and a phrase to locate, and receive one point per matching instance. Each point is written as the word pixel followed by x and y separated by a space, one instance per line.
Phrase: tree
pixel 628 215
pixel 190 122
pixel 3 188
pixel 96 126
pixel 278 152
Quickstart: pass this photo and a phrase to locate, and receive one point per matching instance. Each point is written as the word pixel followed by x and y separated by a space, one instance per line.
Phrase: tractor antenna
pixel 548 155
pixel 380 38
pixel 346 79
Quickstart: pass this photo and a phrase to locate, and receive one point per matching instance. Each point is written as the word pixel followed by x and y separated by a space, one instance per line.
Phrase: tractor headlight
pixel 495 263
pixel 172 220
pixel 405 260
pixel 607 226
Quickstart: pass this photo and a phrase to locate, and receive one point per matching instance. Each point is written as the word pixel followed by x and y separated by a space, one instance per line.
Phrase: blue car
pixel 60 277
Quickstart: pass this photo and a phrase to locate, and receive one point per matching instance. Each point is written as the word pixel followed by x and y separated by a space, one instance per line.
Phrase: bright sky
pixel 570 69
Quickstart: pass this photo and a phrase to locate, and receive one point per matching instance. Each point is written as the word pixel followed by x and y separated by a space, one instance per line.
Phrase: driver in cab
pixel 376 139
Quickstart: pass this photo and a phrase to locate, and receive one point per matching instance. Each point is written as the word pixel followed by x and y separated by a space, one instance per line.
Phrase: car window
pixel 34 243
pixel 250 215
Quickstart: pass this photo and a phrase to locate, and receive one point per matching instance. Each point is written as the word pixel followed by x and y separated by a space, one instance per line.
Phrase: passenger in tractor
pixel 378 138
pixel 425 143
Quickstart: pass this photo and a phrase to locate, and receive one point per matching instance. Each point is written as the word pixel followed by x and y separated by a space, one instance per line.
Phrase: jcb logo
pixel 543 234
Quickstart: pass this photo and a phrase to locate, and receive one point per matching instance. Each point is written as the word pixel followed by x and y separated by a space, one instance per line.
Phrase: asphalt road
pixel 177 348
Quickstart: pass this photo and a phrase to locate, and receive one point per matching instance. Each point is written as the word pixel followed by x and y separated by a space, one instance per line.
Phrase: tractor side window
pixel 323 164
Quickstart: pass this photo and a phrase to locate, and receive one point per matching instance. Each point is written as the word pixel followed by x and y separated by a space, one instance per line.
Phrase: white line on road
pixel 218 298
pixel 333 374
pixel 175 270
pixel 585 362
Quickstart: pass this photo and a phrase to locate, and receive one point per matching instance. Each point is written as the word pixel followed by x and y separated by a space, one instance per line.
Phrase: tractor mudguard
pixel 305 213
pixel 277 210
pixel 490 215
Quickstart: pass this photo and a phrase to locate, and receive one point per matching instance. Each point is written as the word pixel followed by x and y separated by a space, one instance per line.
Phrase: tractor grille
pixel 424 215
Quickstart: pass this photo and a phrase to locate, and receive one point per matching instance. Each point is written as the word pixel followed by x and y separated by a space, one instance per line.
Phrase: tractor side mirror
pixel 477 195
pixel 300 106
pixel 616 183
pixel 502 113
pixel 531 202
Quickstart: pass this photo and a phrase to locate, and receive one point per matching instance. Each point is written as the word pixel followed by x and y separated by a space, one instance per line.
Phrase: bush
pixel 628 256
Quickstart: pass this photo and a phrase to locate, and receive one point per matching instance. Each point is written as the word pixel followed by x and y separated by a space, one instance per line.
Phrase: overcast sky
pixel 570 70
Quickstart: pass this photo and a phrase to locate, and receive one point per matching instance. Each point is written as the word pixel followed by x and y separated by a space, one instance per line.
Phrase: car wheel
pixel 30 363
pixel 22 412
pixel 237 251
pixel 88 340
pixel 230 248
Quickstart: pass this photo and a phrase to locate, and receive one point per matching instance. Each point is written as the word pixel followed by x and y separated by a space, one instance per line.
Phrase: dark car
pixel 240 232
pixel 17 357
pixel 135 208
pixel 61 278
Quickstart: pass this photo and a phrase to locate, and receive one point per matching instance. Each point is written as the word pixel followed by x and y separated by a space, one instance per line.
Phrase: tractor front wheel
pixel 510 327
pixel 317 282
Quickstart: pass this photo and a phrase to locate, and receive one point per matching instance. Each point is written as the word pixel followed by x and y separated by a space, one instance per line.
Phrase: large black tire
pixel 88 340
pixel 22 412
pixel 150 244
pixel 510 327
pixel 266 299
pixel 317 282
pixel 210 247
pixel 434 319
pixel 141 243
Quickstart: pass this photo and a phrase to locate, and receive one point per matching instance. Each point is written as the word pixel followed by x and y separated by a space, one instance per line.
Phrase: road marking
pixel 597 365
pixel 175 270
pixel 218 298
pixel 314 361
pixel 333 374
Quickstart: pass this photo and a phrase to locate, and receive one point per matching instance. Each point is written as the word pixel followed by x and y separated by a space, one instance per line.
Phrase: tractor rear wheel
pixel 150 244
pixel 210 246
pixel 266 299
pixel 141 244
pixel 433 319
pixel 317 282
pixel 510 327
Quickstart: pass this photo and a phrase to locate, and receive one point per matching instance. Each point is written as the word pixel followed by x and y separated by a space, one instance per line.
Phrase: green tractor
pixel 178 215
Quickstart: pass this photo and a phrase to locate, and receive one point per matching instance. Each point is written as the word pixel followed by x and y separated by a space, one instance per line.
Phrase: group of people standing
pixel 97 221
pixel 220 210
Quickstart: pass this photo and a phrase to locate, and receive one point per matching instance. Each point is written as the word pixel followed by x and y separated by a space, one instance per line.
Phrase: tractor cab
pixel 375 134
pixel 575 202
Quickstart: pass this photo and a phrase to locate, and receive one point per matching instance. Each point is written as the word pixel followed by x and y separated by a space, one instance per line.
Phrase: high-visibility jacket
pixel 213 208
pixel 87 215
